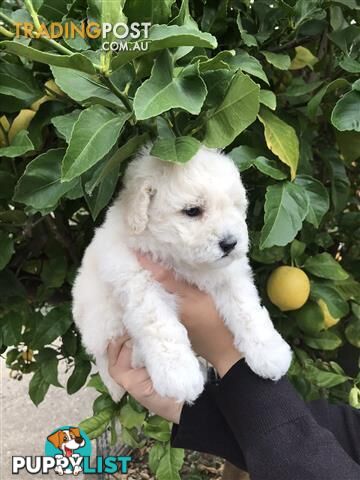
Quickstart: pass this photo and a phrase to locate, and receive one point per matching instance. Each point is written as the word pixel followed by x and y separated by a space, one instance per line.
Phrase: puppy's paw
pixel 271 359
pixel 177 375
pixel 116 391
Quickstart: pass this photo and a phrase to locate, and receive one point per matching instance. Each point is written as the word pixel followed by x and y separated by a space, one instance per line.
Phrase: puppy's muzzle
pixel 228 244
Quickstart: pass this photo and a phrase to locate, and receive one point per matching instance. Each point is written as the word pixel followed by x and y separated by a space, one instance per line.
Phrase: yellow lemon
pixel 329 320
pixel 288 288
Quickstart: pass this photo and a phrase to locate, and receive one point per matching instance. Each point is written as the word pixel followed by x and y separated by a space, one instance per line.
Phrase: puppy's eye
pixel 193 211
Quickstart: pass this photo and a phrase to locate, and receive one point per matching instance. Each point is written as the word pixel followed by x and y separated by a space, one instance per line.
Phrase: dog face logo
pixel 68 445
pixel 67 440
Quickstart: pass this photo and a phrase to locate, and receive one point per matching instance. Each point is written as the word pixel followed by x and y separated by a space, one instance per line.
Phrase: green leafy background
pixel 275 84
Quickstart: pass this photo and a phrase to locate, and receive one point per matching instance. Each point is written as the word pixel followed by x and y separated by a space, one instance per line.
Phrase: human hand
pixel 207 332
pixel 137 383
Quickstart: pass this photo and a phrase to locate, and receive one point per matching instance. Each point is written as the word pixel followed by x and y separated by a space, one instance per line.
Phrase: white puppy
pixel 191 218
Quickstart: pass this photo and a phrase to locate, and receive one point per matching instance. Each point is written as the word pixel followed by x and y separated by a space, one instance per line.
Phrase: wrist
pixel 226 361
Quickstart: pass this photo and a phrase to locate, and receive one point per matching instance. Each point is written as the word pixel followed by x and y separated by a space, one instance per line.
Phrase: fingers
pixel 115 347
pixel 162 275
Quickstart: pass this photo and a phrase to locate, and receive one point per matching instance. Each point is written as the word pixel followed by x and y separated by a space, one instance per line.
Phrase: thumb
pixel 163 275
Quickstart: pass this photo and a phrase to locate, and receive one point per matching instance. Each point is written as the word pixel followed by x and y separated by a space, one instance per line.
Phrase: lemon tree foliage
pixel 275 84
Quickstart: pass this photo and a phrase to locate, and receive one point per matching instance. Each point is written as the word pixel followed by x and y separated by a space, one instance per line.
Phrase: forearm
pixel 203 427
pixel 343 421
pixel 276 432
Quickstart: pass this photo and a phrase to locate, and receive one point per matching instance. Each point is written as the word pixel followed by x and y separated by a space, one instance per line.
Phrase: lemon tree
pixel 275 84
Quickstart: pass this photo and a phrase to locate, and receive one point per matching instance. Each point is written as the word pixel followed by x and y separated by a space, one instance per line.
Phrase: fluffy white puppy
pixel 191 218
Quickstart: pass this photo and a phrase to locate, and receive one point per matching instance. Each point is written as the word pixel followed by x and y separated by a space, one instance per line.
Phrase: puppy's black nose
pixel 79 440
pixel 228 244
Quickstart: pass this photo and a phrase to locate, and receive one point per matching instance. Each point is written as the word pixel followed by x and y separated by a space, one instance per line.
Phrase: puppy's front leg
pixel 160 340
pixel 266 352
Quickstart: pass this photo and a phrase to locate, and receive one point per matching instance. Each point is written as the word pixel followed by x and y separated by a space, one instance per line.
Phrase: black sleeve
pixel 203 428
pixel 283 441
pixel 343 421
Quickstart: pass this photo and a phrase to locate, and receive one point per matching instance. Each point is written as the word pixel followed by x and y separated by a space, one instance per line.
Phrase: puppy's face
pixel 196 212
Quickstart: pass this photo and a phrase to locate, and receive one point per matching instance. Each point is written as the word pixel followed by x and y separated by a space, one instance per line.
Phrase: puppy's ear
pixel 137 201
pixel 75 431
pixel 56 438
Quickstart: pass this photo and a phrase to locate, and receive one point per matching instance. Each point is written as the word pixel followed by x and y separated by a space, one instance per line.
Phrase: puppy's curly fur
pixel 191 218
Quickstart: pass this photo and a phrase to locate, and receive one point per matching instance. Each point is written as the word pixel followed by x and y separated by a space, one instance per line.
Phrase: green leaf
pixel 38 387
pixel 352 332
pixel 346 114
pixel 102 193
pixel 18 85
pixel 314 103
pixel 243 156
pixel 40 185
pixel 281 139
pixel 54 271
pixel 131 438
pixel 340 184
pixel 95 132
pixel 20 145
pixel 176 149
pixel 269 167
pixel 281 61
pixel 155 454
pixel 248 39
pixel 157 428
pixel 48 328
pixel 84 89
pixel 153 11
pixel 65 123
pixel 76 61
pixel 130 418
pixel 248 64
pixel 350 65
pixel 324 379
pixel 170 464
pixel 102 402
pixel 6 249
pixel 236 112
pixel 217 84
pixel 324 265
pixel 215 63
pixel 113 164
pixel 346 39
pixel 96 382
pixel 162 91
pixel 49 370
pixel 337 306
pixel 11 328
pixel 166 36
pixel 326 340
pixel 79 376
pixel 96 425
pixel 299 87
pixel 267 255
pixel 286 206
pixel 318 196
pixel 268 99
